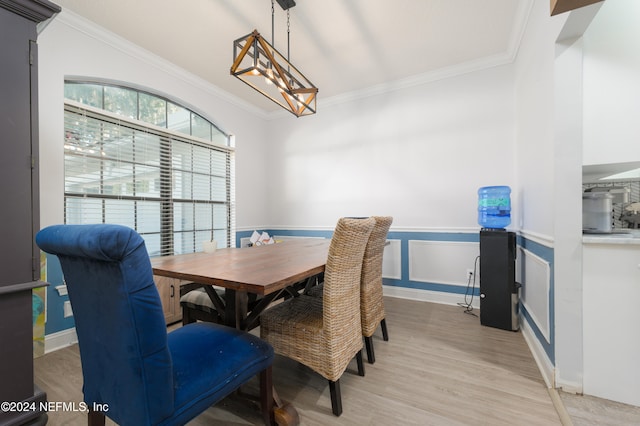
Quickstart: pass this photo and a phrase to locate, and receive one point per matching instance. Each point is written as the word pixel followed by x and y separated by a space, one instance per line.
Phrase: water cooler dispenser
pixel 499 291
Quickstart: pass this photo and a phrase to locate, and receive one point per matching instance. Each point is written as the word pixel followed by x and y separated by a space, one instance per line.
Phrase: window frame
pixel 167 138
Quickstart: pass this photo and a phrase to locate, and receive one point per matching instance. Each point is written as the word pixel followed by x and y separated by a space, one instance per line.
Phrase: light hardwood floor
pixel 440 367
pixel 590 411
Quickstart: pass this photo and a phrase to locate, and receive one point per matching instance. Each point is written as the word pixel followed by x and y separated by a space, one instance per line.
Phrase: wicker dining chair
pixel 325 333
pixel 371 301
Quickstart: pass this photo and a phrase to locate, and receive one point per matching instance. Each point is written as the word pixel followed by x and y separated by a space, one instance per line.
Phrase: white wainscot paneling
pixel 441 262
pixel 534 273
pixel 392 260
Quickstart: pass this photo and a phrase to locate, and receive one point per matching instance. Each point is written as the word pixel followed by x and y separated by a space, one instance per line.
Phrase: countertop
pixel 629 236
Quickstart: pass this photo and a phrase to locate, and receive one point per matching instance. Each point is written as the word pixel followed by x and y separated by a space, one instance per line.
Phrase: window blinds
pixel 174 190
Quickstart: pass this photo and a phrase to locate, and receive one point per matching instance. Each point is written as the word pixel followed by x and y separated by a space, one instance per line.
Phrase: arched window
pixel 141 160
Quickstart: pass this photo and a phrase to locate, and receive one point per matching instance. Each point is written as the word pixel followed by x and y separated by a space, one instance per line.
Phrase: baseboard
pixel 428 296
pixel 547 369
pixel 64 338
pixel 59 340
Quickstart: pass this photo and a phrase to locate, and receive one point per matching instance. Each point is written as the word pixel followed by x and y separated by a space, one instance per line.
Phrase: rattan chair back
pixel 341 295
pixel 372 304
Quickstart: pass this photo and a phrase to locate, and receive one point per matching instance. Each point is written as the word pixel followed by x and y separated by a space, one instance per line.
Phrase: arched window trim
pixel 184 219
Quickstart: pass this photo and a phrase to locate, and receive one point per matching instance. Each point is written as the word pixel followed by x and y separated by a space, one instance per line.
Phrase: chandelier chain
pixel 288 32
pixel 266 70
pixel 272 22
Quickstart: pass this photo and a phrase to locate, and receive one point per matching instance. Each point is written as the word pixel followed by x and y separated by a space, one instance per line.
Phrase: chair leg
pixel 385 333
pixel 368 343
pixel 266 396
pixel 360 363
pixel 336 397
pixel 95 418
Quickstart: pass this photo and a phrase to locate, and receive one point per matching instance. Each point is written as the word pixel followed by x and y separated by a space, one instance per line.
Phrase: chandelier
pixel 257 63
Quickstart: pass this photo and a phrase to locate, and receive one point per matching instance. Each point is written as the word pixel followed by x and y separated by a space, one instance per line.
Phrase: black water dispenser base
pixel 499 291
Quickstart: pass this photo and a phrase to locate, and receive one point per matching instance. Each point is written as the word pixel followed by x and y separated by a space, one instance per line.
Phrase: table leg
pixel 230 308
pixel 285 413
pixel 242 308
pixel 217 302
pixel 236 308
pixel 252 318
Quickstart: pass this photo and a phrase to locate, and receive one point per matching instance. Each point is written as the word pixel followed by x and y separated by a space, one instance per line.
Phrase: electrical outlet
pixel 469 277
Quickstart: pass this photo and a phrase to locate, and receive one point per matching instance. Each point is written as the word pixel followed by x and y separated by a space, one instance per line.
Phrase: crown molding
pixel 93 30
pixel 507 57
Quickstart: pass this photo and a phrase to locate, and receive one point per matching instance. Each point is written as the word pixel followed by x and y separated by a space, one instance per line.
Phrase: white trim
pixel 427 296
pixel 90 29
pixel 520 26
pixel 434 261
pixel 59 340
pixel 546 367
pixel 463 230
pixel 285 228
pixel 522 16
pixel 574 388
pixel 545 240
pixel 294 237
pixel 545 331
pixel 418 80
pixel 392 259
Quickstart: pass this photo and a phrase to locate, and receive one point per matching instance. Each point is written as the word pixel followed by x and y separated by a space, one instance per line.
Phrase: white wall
pixel 568 214
pixel 538 175
pixel 549 91
pixel 612 85
pixel 418 153
pixel 534 114
pixel 71 46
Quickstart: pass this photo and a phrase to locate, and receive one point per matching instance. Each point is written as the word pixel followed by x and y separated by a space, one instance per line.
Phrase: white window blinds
pixel 174 190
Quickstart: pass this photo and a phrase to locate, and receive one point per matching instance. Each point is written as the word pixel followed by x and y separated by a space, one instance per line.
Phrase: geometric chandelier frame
pixel 257 63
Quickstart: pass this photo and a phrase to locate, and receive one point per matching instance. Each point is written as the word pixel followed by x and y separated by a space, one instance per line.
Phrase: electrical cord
pixel 468 295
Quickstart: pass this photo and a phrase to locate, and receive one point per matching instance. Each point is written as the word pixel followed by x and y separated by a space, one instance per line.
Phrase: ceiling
pixel 343 46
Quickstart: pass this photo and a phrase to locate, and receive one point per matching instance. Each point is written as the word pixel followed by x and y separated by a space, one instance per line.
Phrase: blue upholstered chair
pixel 130 364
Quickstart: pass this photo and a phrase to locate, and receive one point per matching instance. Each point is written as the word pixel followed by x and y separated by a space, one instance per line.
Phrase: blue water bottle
pixel 494 207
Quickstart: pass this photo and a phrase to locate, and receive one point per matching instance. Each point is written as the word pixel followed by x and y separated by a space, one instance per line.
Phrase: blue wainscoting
pixel 416 271
pixel 404 239
pixel 537 279
pixel 55 320
pixel 543 328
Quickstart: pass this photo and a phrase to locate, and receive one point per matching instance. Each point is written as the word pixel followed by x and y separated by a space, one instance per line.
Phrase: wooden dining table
pixel 264 271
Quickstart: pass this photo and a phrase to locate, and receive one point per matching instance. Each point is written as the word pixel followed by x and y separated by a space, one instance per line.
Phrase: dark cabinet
pixel 499 295
pixel 19 256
